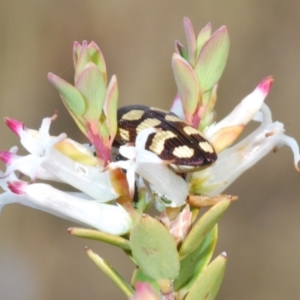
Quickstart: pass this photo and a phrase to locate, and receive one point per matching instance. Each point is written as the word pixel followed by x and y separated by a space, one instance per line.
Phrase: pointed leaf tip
pixel 70 95
pixel 187 85
pixel 209 281
pixel 202 227
pixel 212 59
pixel 111 106
pixel 191 39
pixel 203 37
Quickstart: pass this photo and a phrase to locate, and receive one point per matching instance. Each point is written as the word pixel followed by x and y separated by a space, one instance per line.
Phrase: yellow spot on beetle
pixel 133 115
pixel 189 130
pixel 172 118
pixel 148 123
pixel 207 147
pixel 183 152
pixel 124 134
pixel 158 142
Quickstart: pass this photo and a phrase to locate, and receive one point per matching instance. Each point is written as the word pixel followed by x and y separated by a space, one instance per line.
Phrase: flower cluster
pixel 112 195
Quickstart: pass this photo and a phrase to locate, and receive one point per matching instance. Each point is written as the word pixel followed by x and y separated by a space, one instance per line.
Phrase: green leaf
pixel 154 249
pixel 191 40
pixel 111 106
pixel 202 38
pixel 116 278
pixel 72 97
pixel 97 58
pixel 80 58
pixel 92 86
pixel 100 236
pixel 193 264
pixel 212 59
pixel 208 283
pixel 203 226
pixel 187 85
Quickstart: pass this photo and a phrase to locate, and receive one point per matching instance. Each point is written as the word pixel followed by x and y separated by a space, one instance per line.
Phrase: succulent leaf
pixel 191 39
pixel 208 282
pixel 187 85
pixel 203 37
pixel 203 226
pixel 70 95
pixel 154 249
pixel 193 264
pixel 212 59
pixel 111 106
pixel 92 86
pixel 97 58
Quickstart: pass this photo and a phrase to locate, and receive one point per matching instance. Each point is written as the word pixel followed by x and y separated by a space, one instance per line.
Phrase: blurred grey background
pixel 260 232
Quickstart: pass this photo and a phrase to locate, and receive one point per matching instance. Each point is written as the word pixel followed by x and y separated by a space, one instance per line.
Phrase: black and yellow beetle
pixel 176 141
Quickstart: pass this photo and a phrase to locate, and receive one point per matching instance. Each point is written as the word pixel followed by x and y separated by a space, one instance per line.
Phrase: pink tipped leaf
pixel 111 107
pixel 212 59
pixel 80 57
pixel 70 95
pixel 191 40
pixel 203 37
pixel 92 86
pixel 97 58
pixel 187 85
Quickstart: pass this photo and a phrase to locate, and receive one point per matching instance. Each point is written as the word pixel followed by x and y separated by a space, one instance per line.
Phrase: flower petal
pixel 245 110
pixel 105 217
pixel 91 180
pixel 235 160
pixel 164 181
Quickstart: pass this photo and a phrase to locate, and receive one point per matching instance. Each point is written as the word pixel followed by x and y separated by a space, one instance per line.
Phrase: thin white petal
pixel 166 182
pixel 90 180
pixel 105 217
pixel 233 161
pixel 244 111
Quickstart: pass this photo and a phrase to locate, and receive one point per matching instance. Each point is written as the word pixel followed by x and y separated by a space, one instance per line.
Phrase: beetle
pixel 175 140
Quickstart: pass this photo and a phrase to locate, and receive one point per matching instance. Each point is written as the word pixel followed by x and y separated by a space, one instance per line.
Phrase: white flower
pixel 95 185
pixel 235 160
pixel 108 218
